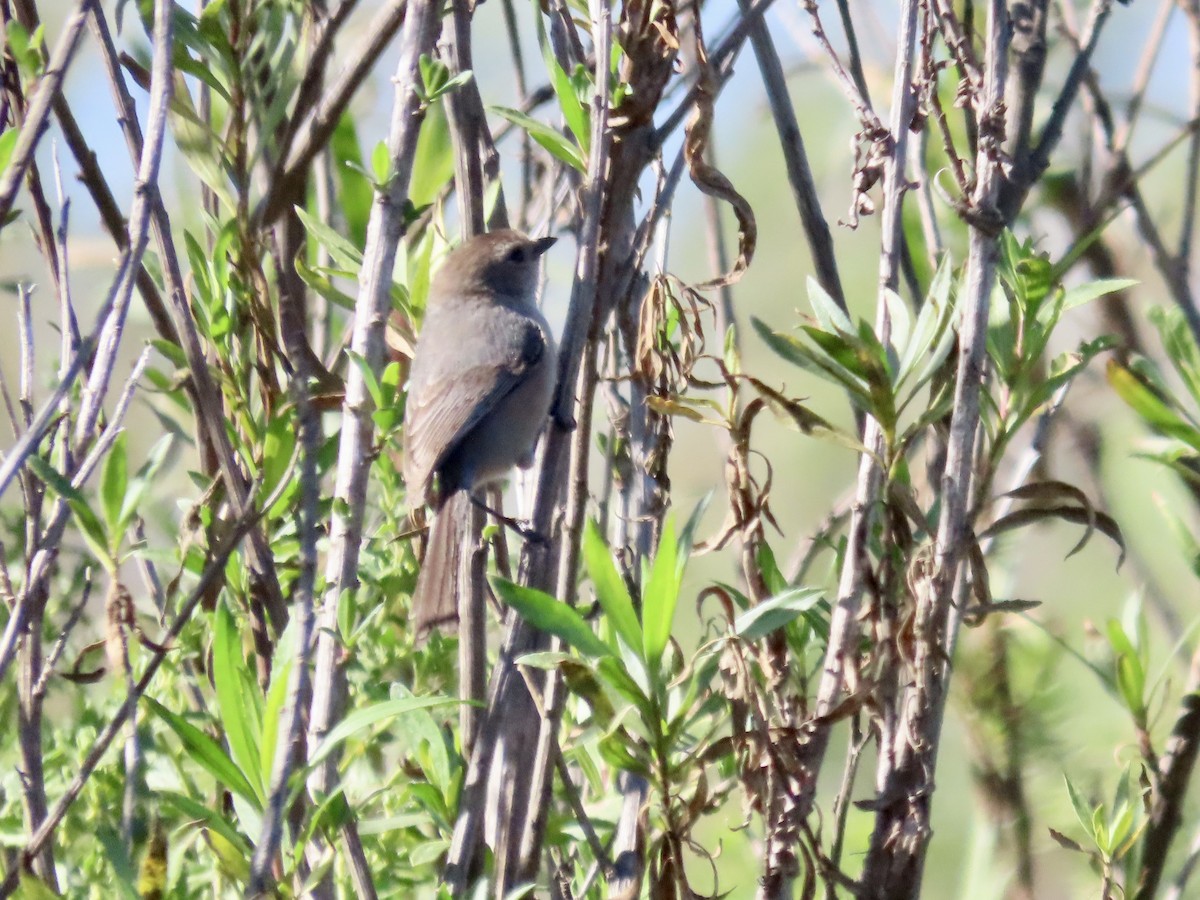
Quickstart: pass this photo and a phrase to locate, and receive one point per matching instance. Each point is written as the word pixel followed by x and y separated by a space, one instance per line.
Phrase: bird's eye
pixel 516 255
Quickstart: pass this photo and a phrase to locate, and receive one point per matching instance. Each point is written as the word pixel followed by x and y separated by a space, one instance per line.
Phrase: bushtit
pixel 479 391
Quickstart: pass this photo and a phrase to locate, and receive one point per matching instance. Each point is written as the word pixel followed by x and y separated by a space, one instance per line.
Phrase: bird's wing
pixel 441 410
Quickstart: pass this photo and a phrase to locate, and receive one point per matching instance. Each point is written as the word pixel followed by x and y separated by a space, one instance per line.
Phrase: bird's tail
pixel 435 598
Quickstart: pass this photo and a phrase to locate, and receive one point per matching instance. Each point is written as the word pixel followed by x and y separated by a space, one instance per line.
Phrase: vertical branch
pixel 468 129
pixel 384 230
pixel 1027 169
pixel 841 652
pixel 1029 64
pixel 799 173
pixel 1175 768
pixel 894 863
pixel 464 113
pixel 207 403
pixel 38 115
pixel 1191 177
pixel 501 753
pixel 289 747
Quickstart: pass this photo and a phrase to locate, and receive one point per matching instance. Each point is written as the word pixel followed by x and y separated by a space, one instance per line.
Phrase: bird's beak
pixel 541 245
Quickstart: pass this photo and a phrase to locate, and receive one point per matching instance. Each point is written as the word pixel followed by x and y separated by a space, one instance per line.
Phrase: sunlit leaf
pixel 558 145
pixel 207 753
pixel 551 616
pixel 660 596
pixel 611 591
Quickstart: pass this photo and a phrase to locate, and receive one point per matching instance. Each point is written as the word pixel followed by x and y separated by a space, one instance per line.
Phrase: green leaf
pixel 616 675
pixel 355 192
pixel 433 164
pixel 207 753
pixel 30 887
pixel 1083 809
pixel 232 861
pixel 797 352
pixel 551 616
pixel 135 493
pixel 558 145
pixel 567 88
pixel 8 140
pixel 370 382
pixel 611 591
pixel 279 444
pixel 1086 293
pixel 89 523
pixel 1147 403
pixel 117 855
pixel 932 334
pixel 1131 675
pixel 281 673
pixel 240 728
pixel 768 568
pixel 433 75
pixel 345 254
pixel 381 164
pixel 1180 346
pixel 368 716
pixel 114 480
pixel 828 313
pixel 776 612
pixel 660 596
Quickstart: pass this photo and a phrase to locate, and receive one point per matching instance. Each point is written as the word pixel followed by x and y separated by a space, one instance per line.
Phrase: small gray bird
pixel 479 391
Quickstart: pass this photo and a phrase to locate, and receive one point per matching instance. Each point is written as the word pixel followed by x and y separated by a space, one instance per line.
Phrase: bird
pixel 480 387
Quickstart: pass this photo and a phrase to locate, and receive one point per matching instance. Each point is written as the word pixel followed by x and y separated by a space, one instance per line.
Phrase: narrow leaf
pixel 240 730
pixel 207 753
pixel 552 616
pixel 660 597
pixel 610 587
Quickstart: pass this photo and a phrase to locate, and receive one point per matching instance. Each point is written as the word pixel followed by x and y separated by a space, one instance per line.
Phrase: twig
pixel 384 230
pixel 721 59
pixel 1174 773
pixel 1179 885
pixel 469 132
pixel 289 748
pixel 799 172
pixel 849 85
pixel 38 115
pixel 1191 177
pixel 1123 183
pixel 328 27
pixel 548 751
pixel 856 66
pixel 64 634
pixel 894 864
pixel 318 127
pixel 1145 69
pixel 206 398
pixel 1029 64
pixel 844 626
pixel 508 706
pixel 1026 171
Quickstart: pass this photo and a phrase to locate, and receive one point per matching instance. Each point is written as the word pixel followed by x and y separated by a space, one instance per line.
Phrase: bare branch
pixel 894 863
pixel 38 115
pixel 314 134
pixel 800 177
pixel 508 721
pixel 384 230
